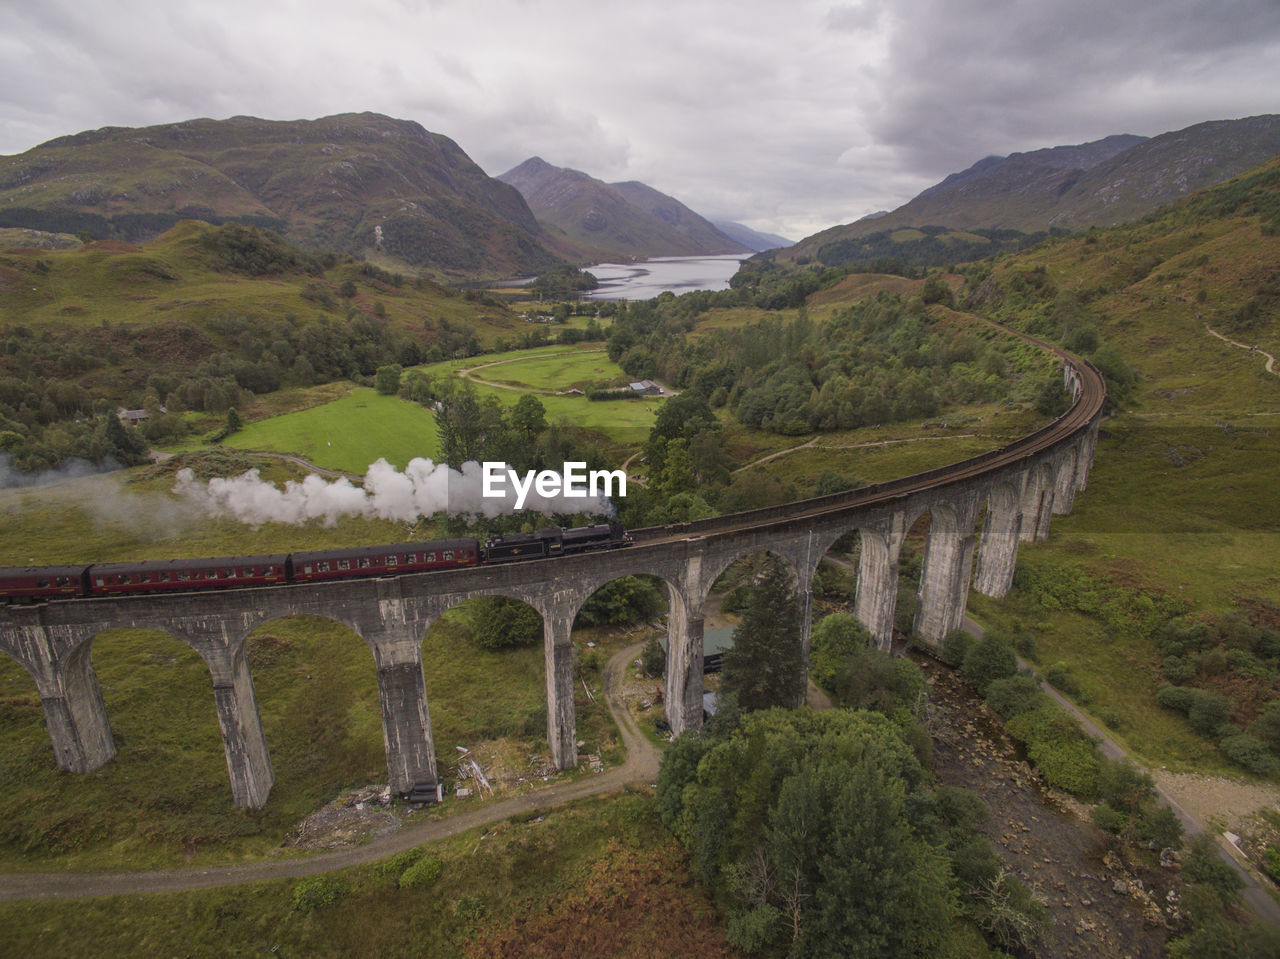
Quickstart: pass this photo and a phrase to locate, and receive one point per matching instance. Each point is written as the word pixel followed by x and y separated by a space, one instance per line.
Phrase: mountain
pixel 752 239
pixel 612 221
pixel 330 183
pixel 1102 183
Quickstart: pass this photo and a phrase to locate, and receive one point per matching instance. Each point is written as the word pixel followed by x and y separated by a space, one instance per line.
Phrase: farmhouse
pixel 647 388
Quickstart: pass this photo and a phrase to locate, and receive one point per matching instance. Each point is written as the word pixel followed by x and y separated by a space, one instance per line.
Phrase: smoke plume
pixel 423 489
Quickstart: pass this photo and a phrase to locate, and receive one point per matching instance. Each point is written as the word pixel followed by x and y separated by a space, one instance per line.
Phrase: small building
pixel 647 388
pixel 132 417
pixel 714 643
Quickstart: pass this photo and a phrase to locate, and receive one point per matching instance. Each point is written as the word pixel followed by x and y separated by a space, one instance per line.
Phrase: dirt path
pixel 1271 360
pixel 850 446
pixel 641 766
pixel 466 374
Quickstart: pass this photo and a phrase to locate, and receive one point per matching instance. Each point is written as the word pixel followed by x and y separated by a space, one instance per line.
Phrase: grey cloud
pixel 790 117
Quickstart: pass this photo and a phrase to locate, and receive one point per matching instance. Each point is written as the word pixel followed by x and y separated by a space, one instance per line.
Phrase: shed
pixel 647 388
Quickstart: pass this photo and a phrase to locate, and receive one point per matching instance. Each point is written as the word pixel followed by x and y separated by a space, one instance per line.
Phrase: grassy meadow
pixel 347 434
pixel 597 878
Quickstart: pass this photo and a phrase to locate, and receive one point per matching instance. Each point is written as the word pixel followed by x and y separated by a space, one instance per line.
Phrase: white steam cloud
pixel 424 488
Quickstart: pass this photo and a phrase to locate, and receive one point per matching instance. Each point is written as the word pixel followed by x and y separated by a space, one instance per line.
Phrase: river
pixel 679 274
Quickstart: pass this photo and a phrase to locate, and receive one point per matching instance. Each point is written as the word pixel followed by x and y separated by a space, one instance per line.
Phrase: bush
pixel 1203 865
pixel 318 892
pixel 1267 726
pixel 1160 827
pixel 1251 753
pixel 989 660
pixel 502 623
pixel 397 864
pixel 876 680
pixel 653 658
pixel 1014 695
pixel 836 638
pixel 1111 820
pixel 955 647
pixel 1060 678
pixel 1179 699
pixel 1065 756
pixel 1209 713
pixel 1178 670
pixel 422 873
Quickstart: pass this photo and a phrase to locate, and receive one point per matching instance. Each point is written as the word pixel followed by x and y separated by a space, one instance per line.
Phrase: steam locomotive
pixel 35 583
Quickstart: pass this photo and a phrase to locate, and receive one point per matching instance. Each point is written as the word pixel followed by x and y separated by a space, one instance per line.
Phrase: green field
pixel 554 372
pixel 347 434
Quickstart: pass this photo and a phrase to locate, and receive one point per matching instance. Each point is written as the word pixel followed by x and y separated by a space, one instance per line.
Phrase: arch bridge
pixel 1016 490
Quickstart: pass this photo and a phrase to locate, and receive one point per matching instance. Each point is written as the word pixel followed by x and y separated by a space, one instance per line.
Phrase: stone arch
pixel 556 609
pixel 316 679
pixel 234 705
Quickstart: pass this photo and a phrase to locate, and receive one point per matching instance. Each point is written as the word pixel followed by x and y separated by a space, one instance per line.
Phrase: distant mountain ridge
pixel 356 183
pixel 1102 183
pixel 752 239
pixel 615 220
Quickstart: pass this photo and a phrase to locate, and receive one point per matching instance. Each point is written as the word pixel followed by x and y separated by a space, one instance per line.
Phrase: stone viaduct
pixel 1013 491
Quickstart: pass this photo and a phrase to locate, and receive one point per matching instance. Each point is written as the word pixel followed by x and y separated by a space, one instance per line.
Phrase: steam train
pixel 35 583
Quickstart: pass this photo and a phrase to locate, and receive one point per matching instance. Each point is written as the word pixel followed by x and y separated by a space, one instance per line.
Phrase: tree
pixel 765 667
pixel 234 422
pixel 502 623
pixel 468 425
pixel 528 416
pixel 387 379
pixel 835 640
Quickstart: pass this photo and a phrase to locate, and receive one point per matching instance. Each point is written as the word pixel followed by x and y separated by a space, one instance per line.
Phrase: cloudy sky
pixel 788 115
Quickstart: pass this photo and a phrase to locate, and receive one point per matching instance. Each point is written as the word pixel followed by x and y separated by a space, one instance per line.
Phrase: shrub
pixel 1014 695
pixel 989 660
pixel 1160 827
pixel 954 647
pixel 1060 678
pixel 835 639
pixel 1209 712
pixel 1251 753
pixel 1203 865
pixel 1180 699
pixel 1111 820
pixel 1178 670
pixel 422 873
pixel 397 864
pixel 1271 863
pixel 1066 757
pixel 318 892
pixel 653 658
pixel 876 680
pixel 1267 726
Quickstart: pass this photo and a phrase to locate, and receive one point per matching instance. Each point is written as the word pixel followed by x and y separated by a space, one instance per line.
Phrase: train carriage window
pixel 306 568
pixel 365 562
pixel 229 573
pixel 42 584
pixel 98 581
pixel 448 555
pixel 393 560
pixel 344 564
pixel 322 567
pixel 164 578
pixel 63 581
pixel 184 577
pixel 430 558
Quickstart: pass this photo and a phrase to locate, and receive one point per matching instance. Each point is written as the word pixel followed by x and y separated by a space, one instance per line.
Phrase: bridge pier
pixel 998 549
pixel 1064 486
pixel 682 692
pixel 877 593
pixel 74 713
pixel 1037 504
pixel 945 571
pixel 406 721
pixel 245 745
pixel 562 722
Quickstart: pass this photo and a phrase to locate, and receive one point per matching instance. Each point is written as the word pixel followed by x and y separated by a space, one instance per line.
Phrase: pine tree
pixel 765 667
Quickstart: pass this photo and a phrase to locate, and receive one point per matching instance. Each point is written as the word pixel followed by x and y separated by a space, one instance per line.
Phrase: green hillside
pixel 356 183
pixel 197 321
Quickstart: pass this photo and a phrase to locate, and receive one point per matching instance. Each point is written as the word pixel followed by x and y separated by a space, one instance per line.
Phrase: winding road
pixel 641 766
